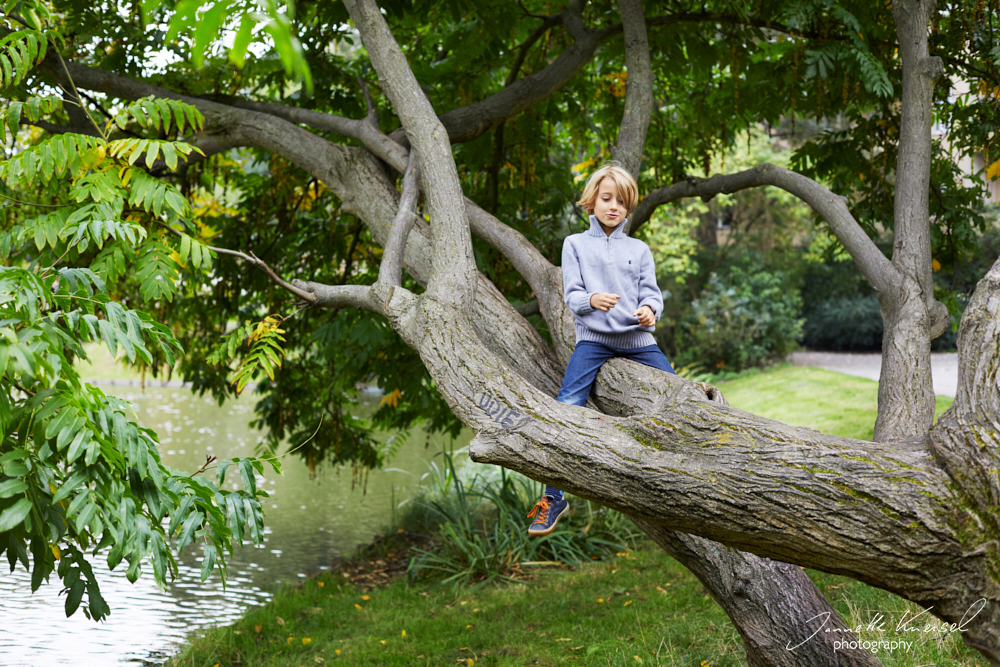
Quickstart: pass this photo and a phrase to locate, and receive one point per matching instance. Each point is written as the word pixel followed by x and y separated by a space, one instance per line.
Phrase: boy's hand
pixel 645 316
pixel 604 301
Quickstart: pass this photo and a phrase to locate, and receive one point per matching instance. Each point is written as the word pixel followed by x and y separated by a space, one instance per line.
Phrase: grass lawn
pixel 640 607
pixel 830 402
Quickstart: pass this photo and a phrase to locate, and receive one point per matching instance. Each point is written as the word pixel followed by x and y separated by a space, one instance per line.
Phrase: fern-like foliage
pixel 159 114
pixel 34 108
pixel 76 474
pixel 873 75
pixel 264 350
pixel 19 52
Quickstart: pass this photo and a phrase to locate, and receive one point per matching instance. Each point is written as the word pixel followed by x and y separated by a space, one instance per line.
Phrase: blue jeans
pixel 587 359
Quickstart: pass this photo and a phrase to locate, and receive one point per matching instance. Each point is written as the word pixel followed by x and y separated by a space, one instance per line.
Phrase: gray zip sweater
pixel 594 262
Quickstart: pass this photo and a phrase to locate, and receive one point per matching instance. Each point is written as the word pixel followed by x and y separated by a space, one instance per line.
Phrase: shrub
pixel 743 318
pixel 845 323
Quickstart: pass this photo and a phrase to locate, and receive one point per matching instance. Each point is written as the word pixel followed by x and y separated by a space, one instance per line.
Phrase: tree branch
pixel 638 89
pixel 339 296
pixel 256 261
pixel 468 122
pixel 454 267
pixel 730 19
pixel 778 604
pixel 391 269
pixel 547 23
pixel 879 271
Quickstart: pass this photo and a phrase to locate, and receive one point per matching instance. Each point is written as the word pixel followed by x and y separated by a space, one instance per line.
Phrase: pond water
pixel 308 522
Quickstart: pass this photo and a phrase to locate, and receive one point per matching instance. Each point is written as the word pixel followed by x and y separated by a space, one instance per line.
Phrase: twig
pixel 527 13
pixel 29 393
pixel 209 460
pixel 60 258
pixel 76 94
pixel 295 449
pixel 372 116
pixel 253 259
pixel 31 203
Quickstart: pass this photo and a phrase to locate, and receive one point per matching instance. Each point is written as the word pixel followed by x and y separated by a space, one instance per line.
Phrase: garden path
pixel 944 366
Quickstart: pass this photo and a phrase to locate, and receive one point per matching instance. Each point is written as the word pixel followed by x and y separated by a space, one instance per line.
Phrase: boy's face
pixel 609 208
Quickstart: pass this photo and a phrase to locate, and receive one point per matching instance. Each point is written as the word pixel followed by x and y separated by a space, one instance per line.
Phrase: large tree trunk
pixel 776 608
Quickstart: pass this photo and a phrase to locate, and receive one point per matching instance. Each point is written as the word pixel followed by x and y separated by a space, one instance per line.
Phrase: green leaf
pixel 221 473
pixel 74 597
pixel 85 516
pixel 169 154
pixel 12 487
pixel 140 147
pixel 151 152
pixel 14 515
pixel 191 524
pixel 149 107
pixel 207 29
pixel 237 54
pixel 208 561
pixel 246 472
pixel 69 486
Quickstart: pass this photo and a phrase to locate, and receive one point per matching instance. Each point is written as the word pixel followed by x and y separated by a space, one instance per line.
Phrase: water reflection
pixel 308 521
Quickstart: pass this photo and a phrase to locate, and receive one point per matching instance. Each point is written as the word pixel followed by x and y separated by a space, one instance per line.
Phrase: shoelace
pixel 541 509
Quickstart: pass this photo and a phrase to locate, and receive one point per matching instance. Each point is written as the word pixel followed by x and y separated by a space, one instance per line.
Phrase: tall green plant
pixel 79 479
pixel 481 532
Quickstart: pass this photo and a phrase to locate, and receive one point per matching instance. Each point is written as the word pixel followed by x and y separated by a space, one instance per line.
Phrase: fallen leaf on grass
pixel 600 599
pixel 321 584
pixel 637 659
pixel 306 640
pixel 366 597
pixel 280 620
pixel 258 627
pixel 627 603
pixel 357 605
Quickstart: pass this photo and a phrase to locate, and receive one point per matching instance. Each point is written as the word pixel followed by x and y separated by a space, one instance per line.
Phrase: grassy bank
pixel 637 607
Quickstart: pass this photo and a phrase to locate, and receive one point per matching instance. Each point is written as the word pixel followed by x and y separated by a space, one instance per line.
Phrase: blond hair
pixel 627 188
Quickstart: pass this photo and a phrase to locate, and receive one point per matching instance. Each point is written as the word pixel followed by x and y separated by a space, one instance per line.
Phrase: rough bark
pixel 778 607
pixel 638 89
pixel 452 263
pixel 906 394
pixel 966 442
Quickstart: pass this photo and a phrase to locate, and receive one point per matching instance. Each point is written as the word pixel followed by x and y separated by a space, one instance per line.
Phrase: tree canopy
pixel 175 170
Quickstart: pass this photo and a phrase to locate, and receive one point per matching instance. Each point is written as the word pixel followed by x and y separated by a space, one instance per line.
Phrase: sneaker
pixel 546 512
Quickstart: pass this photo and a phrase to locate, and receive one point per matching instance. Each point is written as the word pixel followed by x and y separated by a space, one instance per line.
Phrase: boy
pixel 609 282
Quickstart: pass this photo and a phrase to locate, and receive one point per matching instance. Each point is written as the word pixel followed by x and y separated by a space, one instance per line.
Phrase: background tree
pixel 507 102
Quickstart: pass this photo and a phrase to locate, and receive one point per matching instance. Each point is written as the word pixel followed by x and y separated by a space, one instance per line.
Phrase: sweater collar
pixel 597 230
